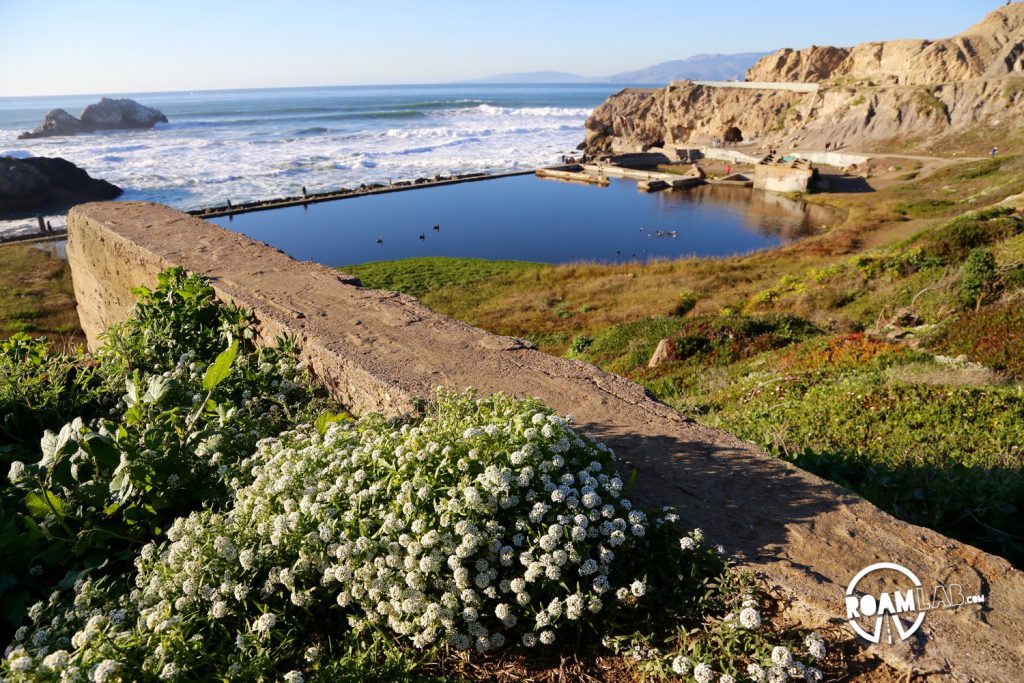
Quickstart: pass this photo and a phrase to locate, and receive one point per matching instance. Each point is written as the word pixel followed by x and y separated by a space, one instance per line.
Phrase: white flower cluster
pixel 487 523
pixel 470 533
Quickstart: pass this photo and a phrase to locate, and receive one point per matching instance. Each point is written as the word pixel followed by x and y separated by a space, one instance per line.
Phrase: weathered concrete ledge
pixel 383 351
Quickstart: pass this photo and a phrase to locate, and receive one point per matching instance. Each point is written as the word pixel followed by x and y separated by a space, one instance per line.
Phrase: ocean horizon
pixel 250 144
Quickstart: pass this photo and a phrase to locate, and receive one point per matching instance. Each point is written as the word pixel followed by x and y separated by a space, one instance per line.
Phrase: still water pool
pixel 526 218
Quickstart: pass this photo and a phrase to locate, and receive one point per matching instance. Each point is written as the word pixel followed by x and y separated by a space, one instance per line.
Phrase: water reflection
pixel 526 218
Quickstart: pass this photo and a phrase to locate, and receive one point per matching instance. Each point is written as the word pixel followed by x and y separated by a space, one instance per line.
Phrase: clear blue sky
pixel 111 46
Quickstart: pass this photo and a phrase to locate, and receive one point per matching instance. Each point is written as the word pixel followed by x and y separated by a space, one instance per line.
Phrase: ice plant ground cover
pixel 272 540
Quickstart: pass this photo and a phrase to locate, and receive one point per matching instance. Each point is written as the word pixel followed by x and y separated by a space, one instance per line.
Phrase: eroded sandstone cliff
pixel 868 96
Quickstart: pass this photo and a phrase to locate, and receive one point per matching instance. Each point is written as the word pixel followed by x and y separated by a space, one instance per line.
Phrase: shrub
pixel 685 302
pixel 980 169
pixel 580 344
pixel 623 348
pixel 953 240
pixel 979 278
pixel 946 457
pixel 265 544
pixel 721 340
pixel 486 525
pixel 847 351
pixel 992 336
pixel 926 208
pixel 713 340
pixel 188 395
pixel 41 389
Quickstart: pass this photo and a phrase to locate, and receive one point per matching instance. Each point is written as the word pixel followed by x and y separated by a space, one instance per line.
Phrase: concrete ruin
pixel 382 351
pixel 783 174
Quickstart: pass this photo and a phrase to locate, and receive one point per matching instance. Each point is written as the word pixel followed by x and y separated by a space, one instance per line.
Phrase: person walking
pixel 995 150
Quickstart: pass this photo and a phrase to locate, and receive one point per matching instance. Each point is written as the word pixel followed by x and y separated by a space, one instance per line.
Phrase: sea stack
pixel 107 114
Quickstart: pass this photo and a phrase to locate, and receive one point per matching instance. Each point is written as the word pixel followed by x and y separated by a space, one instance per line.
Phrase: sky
pixel 59 47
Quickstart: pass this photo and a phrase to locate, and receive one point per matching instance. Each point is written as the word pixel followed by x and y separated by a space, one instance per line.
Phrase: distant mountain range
pixel 698 68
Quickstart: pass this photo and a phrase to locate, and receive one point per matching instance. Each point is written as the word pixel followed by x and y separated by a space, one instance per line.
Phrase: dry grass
pixel 972 375
pixel 36 296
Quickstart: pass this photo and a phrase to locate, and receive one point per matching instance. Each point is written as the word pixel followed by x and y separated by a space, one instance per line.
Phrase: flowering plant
pixel 490 523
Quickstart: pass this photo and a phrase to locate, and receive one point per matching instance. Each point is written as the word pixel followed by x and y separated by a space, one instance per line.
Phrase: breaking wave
pixel 258 144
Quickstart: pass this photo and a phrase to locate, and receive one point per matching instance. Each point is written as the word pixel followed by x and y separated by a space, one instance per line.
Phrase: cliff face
pixel 990 49
pixel 867 96
pixel 809 65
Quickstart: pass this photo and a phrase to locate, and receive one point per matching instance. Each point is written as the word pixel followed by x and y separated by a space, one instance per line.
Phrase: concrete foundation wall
pixel 381 351
pixel 837 159
pixel 732 155
pixel 781 178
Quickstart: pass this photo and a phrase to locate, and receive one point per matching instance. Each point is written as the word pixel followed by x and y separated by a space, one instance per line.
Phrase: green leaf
pixel 119 480
pixel 327 418
pixel 37 504
pixel 131 396
pixel 220 368
pixel 63 473
pixel 156 388
pixel 48 444
pixel 103 449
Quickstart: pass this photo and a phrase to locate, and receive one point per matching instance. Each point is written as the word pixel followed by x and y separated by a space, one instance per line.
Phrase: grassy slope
pixel 934 442
pixel 36 296
pixel 418 276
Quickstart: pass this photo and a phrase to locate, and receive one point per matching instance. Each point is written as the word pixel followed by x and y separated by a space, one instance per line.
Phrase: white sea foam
pixel 230 147
pixel 194 163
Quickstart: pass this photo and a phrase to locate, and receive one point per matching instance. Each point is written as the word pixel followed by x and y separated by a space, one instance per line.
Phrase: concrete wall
pixel 837 159
pixel 781 178
pixel 722 154
pixel 759 85
pixel 383 351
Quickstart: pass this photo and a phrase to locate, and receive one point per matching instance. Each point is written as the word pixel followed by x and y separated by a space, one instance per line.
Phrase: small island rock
pixel 107 114
pixel 113 114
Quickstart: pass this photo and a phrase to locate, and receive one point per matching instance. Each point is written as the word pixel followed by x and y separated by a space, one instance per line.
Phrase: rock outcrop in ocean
pixel 107 114
pixel 865 97
pixel 44 183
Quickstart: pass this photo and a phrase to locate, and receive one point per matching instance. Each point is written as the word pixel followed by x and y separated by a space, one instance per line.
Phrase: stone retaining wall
pixel 382 351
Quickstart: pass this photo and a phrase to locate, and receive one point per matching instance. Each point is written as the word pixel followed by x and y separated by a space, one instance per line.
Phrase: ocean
pixel 258 144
